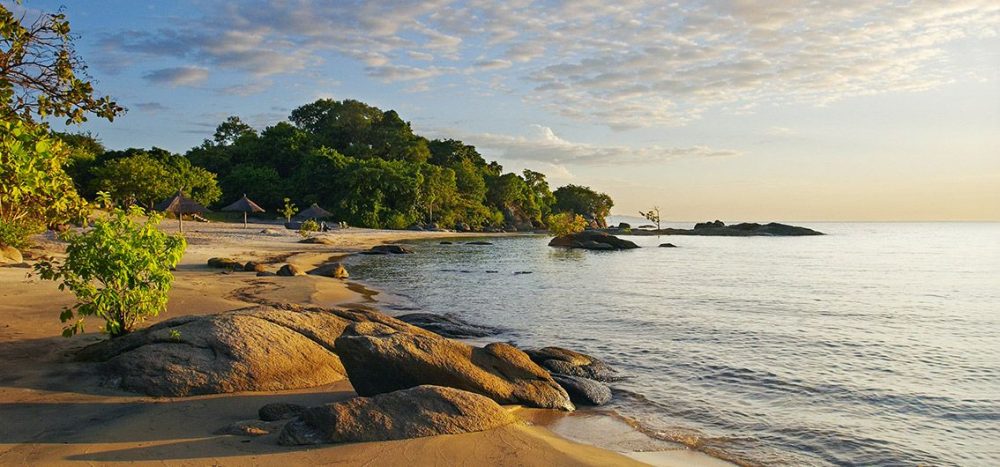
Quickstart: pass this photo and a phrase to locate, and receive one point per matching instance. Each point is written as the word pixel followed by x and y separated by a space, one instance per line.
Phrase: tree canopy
pixel 40 76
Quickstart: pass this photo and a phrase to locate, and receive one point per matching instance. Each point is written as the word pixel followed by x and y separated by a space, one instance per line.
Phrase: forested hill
pixel 365 165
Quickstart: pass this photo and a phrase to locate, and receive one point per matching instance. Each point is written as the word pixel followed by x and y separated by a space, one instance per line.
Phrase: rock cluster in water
pixel 592 240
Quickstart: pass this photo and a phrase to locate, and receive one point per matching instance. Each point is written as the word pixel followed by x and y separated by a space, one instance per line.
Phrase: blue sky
pixel 739 110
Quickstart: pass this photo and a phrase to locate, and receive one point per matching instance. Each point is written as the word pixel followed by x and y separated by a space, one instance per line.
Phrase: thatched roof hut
pixel 180 205
pixel 244 205
pixel 313 212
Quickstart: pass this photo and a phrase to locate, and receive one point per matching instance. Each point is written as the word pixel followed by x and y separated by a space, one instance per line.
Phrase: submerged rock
pixel 584 391
pixel 379 359
pixel 479 242
pixel 572 363
pixel 592 240
pixel 387 249
pixel 447 325
pixel 410 413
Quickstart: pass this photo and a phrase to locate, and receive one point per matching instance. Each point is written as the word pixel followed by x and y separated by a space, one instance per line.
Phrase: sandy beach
pixel 57 413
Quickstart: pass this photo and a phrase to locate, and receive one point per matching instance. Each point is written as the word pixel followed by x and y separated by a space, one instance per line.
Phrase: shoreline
pixel 64 414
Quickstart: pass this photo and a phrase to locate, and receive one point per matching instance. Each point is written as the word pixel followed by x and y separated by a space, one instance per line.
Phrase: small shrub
pixel 397 221
pixel 288 210
pixel 119 271
pixel 15 234
pixel 308 227
pixel 565 223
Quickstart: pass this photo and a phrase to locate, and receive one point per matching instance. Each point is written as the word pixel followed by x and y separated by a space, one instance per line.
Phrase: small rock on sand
pixel 289 270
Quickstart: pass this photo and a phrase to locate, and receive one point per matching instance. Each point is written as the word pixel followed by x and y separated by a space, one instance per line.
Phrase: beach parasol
pixel 313 212
pixel 180 205
pixel 245 206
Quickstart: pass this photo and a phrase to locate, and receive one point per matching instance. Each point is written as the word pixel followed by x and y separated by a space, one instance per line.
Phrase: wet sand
pixel 54 412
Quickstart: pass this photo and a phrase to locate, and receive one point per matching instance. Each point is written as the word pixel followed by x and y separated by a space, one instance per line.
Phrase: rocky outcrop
pixel 624 225
pixel 447 325
pixel 572 363
pixel 667 245
pixel 256 349
pixel 717 224
pixel 478 242
pixel 592 240
pixel 388 249
pixel 10 255
pixel 583 391
pixel 225 263
pixel 411 413
pixel 379 359
pixel 290 270
pixel 334 270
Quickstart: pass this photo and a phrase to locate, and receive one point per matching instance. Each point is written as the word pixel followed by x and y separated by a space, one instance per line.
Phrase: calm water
pixel 876 344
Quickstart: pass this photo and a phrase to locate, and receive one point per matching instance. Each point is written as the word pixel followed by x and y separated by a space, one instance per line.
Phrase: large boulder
pixel 447 325
pixel 592 240
pixel 10 255
pixel 569 362
pixel 410 413
pixel 583 391
pixel 254 349
pixel 380 359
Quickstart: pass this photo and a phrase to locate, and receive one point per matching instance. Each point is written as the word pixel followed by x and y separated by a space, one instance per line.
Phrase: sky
pixel 736 110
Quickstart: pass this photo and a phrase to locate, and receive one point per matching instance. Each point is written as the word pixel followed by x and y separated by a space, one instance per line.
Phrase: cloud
pixel 177 76
pixel 151 107
pixel 247 89
pixel 626 64
pixel 544 146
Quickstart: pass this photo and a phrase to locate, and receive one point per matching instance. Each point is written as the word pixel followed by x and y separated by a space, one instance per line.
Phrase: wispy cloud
pixel 151 107
pixel 543 145
pixel 177 76
pixel 625 64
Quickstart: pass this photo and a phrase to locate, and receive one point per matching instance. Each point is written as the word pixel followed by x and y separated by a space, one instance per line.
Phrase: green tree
pixel 119 271
pixel 35 192
pixel 584 201
pixel 653 215
pixel 231 130
pixel 565 223
pixel 41 75
pixel 288 210
pixel 149 177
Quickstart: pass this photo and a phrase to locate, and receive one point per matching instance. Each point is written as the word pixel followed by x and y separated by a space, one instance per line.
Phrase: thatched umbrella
pixel 313 212
pixel 245 206
pixel 180 205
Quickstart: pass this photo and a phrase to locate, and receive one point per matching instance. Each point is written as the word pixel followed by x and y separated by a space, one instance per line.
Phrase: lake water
pixel 877 344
